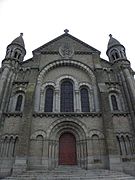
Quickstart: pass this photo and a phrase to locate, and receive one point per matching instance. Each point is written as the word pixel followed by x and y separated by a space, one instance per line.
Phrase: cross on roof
pixel 66 31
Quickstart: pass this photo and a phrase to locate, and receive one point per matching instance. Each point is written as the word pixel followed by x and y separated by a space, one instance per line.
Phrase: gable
pixel 66 39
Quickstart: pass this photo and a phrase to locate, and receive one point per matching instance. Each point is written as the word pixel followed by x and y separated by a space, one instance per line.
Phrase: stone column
pixel 57 101
pixel 42 101
pixel 45 153
pixel 77 102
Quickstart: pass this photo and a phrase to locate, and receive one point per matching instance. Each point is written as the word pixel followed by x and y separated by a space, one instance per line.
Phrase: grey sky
pixel 89 20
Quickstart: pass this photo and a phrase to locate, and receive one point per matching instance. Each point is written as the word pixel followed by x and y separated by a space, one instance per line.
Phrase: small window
pixel 114 103
pixel 85 100
pixel 19 103
pixel 19 56
pixel 16 54
pixel 114 54
pixel 67 102
pixel 49 100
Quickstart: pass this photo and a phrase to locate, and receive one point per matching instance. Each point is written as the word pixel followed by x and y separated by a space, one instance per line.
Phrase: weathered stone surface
pixel 104 133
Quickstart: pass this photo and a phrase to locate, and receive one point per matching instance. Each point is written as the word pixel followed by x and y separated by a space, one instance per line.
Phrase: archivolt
pixel 96 132
pixel 72 63
pixel 39 132
pixel 67 125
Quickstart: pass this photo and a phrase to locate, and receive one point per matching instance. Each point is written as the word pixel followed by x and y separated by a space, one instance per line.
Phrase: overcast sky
pixel 88 20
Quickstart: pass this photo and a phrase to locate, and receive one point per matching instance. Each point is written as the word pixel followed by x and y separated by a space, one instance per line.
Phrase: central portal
pixel 67 149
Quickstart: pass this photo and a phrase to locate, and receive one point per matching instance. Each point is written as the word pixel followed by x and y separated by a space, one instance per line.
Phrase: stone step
pixel 70 173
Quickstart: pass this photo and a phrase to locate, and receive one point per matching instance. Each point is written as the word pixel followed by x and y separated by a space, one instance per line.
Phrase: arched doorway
pixel 67 149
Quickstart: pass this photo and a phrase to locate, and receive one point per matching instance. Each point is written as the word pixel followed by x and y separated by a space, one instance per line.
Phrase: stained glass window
pixel 19 103
pixel 49 100
pixel 67 102
pixel 85 100
pixel 114 103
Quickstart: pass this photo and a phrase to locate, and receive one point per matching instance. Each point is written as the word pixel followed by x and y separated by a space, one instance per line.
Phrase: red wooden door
pixel 67 149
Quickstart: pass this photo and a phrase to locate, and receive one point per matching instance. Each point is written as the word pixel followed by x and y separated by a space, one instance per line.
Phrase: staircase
pixel 71 173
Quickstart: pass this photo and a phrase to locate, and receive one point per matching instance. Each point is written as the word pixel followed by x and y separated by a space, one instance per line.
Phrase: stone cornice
pixel 66 114
pixel 118 114
pixel 20 82
pixel 112 83
pixel 76 52
pixel 14 114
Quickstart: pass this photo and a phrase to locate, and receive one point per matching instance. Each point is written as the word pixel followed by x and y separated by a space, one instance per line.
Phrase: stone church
pixel 66 106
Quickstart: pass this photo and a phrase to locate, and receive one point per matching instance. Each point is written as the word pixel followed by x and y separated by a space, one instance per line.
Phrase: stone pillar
pixel 1 147
pixel 129 99
pixel 37 97
pixel 6 93
pixel 96 100
pixel 89 154
pixel 131 85
pixel 3 80
pixel 130 81
pixel 25 130
pixel 110 139
pixel 45 153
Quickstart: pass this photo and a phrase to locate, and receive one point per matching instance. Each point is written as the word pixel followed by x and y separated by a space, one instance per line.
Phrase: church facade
pixel 66 106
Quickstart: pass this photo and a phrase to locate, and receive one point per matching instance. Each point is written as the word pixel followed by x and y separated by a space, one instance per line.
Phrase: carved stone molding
pixel 66 114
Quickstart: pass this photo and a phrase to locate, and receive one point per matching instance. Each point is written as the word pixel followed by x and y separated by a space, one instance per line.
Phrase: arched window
pixel 19 103
pixel 49 100
pixel 84 100
pixel 114 54
pixel 114 103
pixel 16 54
pixel 19 56
pixel 67 102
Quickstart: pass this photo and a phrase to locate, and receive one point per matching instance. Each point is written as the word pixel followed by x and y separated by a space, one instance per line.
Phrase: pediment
pixel 66 39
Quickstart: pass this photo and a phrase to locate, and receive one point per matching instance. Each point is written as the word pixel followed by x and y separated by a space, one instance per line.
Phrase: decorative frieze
pixel 14 114
pixel 66 114
pixel 120 114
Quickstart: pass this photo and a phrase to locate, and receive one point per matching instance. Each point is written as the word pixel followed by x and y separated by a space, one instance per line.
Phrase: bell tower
pixel 115 50
pixel 16 50
pixel 14 55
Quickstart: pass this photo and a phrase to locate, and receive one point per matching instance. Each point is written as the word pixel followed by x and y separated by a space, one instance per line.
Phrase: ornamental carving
pixel 66 51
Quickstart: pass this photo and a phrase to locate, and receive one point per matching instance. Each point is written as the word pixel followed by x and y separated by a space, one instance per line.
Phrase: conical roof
pixel 19 40
pixel 112 42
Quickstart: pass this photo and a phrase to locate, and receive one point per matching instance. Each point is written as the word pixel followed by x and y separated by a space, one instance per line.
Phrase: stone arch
pixel 67 120
pixel 72 63
pixel 119 99
pixel 67 77
pixel 125 140
pixel 59 63
pixel 8 145
pixel 96 132
pixel 78 130
pixel 37 133
pixel 14 100
pixel 90 94
pixel 97 140
pixel 43 93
